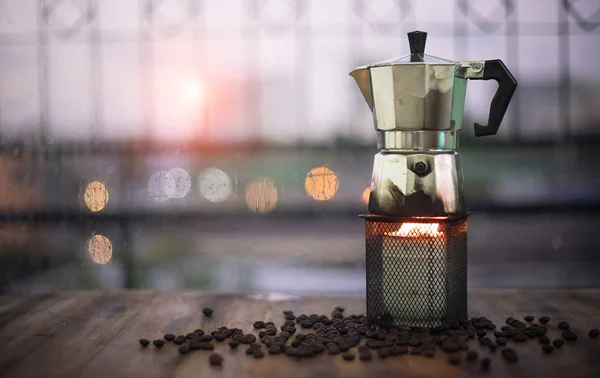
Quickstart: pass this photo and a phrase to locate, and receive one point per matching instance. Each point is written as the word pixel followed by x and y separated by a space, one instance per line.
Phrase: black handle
pixel 416 41
pixel 496 70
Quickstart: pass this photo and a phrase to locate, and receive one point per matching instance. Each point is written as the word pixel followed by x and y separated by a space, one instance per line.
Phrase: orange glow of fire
pixel 417 230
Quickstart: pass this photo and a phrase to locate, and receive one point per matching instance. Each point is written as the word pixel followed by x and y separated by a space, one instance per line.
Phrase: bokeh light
pixel 161 186
pixel 366 194
pixel 321 183
pixel 183 182
pixel 100 249
pixel 95 196
pixel 261 195
pixel 215 185
pixel 195 93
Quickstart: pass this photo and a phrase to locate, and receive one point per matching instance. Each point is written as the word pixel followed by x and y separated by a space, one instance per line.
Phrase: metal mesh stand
pixel 416 277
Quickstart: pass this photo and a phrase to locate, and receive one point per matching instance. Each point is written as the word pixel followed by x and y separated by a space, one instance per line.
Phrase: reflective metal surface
pixel 417 140
pixel 417 184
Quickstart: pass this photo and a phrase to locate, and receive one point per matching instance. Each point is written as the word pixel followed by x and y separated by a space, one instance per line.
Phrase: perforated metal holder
pixel 416 273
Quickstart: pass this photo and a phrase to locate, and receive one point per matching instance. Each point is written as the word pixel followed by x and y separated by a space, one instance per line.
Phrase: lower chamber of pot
pixel 416 273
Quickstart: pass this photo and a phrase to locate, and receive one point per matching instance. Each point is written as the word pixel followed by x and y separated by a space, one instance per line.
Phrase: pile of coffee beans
pixel 306 336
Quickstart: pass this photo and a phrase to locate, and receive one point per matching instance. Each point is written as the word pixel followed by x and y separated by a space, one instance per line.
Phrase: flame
pixel 417 230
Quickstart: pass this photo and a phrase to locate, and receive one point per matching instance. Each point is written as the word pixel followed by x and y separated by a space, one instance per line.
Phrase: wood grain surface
pixel 95 334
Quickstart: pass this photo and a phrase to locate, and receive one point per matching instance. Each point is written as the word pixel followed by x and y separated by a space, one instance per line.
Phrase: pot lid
pixel 416 40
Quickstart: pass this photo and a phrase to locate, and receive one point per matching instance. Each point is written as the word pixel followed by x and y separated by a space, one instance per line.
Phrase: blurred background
pixel 221 145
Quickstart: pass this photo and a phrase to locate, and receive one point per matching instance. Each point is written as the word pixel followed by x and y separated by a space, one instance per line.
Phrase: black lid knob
pixel 416 41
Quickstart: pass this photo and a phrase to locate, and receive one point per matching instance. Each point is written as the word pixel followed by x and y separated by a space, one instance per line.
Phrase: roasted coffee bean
pixel 169 337
pixel 558 343
pixel 158 343
pixel 237 337
pixel 215 359
pixel 248 339
pixel 204 338
pixel 529 318
pixel 544 319
pixel 191 336
pixel 348 356
pixel 220 337
pixel 417 351
pixel 548 349
pixel 337 315
pixel 233 344
pixel 544 340
pixel 207 311
pixel 398 350
pixel 430 352
pixel 365 355
pixel 449 346
pixel 383 353
pixel 306 324
pixel 510 355
pixel 520 337
pixel 485 364
pixel 594 333
pixel 288 312
pixel 179 340
pixel 563 325
pixel 258 353
pixel 505 328
pixel 195 345
pixel 290 317
pixel 454 360
pixel 530 332
pixel 472 355
pixel 199 332
pixel 259 324
pixel 480 333
pixel 501 341
pixel 333 348
pixel 485 341
pixel 207 346
pixel 541 331
pixel 144 342
pixel 184 349
pixel 498 333
pixel 274 349
pixel 509 320
pixel 569 335
pixel 262 334
pixel 284 334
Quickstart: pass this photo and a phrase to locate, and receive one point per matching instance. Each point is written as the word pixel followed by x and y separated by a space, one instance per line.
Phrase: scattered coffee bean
pixel 220 337
pixel 158 343
pixel 529 318
pixel 594 333
pixel 215 359
pixel 563 325
pixel 191 336
pixel 454 360
pixel 472 355
pixel 544 319
pixel 548 349
pixel 144 342
pixel 541 331
pixel 204 338
pixel 199 332
pixel 510 355
pixel 544 340
pixel 569 335
pixel 169 337
pixel 480 333
pixel 365 355
pixel 427 353
pixel 417 351
pixel 520 337
pixel 339 309
pixel 207 346
pixel 207 311
pixel 501 341
pixel 233 344
pixel 184 349
pixel 195 345
pixel 248 339
pixel 274 349
pixel 333 348
pixel 290 317
pixel 259 324
pixel 485 364
pixel 348 356
pixel 558 343
pixel 258 353
pixel 498 334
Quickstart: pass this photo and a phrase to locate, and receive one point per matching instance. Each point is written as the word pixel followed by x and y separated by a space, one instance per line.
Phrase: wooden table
pixel 95 334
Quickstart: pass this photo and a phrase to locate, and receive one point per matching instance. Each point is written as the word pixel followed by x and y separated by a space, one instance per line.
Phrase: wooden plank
pixel 96 334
